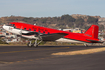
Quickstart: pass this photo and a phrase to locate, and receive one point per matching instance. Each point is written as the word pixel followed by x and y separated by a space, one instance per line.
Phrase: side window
pixel 30 29
pixel 48 33
pixel 24 28
pixel 35 29
pixel 43 31
pixel 13 24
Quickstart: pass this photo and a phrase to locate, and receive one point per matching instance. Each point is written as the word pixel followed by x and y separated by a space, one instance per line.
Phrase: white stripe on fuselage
pixel 68 40
pixel 19 31
pixel 12 30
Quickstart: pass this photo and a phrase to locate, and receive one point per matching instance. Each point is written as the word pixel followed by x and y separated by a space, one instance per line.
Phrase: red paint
pixel 91 33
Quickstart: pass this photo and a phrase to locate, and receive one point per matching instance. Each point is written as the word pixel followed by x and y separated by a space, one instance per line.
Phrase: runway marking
pixel 18 61
pixel 11 62
pixel 24 60
pixel 29 60
pixel 81 52
pixel 32 50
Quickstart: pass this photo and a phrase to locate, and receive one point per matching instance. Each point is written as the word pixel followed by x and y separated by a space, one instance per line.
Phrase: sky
pixel 51 8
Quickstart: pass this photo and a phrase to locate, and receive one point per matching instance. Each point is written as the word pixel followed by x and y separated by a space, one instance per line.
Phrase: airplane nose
pixel 5 27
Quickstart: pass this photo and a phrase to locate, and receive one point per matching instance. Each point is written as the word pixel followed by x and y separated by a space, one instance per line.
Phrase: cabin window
pixel 13 24
pixel 48 33
pixel 30 29
pixel 35 29
pixel 25 28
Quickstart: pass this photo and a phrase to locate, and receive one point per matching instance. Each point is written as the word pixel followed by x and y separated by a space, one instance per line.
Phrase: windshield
pixel 13 25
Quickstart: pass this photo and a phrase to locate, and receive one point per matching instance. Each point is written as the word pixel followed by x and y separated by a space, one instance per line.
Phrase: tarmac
pixel 40 58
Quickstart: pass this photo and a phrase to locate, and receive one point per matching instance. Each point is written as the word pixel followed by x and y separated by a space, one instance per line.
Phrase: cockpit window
pixel 9 24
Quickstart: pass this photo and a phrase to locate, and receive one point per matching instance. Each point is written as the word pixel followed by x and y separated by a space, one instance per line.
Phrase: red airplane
pixel 47 34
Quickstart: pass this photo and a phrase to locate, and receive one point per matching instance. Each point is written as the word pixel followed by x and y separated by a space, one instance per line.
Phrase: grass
pixel 81 52
pixel 12 44
pixel 42 44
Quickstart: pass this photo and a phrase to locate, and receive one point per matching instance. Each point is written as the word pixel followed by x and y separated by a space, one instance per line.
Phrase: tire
pixel 29 45
pixel 35 46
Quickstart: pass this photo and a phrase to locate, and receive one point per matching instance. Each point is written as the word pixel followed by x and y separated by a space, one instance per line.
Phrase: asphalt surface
pixel 24 58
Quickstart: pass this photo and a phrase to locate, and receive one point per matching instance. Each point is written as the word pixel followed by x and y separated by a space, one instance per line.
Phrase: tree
pixel 79 22
pixel 67 18
pixel 92 20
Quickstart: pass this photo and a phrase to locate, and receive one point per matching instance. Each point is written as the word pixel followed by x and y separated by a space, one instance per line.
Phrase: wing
pixel 94 41
pixel 53 37
pixel 46 37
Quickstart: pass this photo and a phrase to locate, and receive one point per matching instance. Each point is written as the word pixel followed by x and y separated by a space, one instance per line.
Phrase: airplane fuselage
pixel 30 31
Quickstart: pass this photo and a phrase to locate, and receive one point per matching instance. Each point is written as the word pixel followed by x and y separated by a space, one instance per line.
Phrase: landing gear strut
pixel 85 45
pixel 29 44
pixel 35 44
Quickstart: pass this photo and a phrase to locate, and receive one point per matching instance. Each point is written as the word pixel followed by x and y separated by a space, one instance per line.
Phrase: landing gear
pixel 85 45
pixel 29 44
pixel 35 44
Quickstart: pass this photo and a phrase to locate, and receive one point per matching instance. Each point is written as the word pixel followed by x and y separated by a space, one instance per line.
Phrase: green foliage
pixel 2 41
pixel 79 22
pixel 68 18
pixel 92 20
pixel 44 20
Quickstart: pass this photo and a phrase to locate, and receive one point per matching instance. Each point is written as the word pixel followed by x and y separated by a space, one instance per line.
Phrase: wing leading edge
pixel 94 41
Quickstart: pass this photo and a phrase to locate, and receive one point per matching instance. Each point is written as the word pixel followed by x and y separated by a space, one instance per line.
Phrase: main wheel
pixel 29 45
pixel 85 45
pixel 34 45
